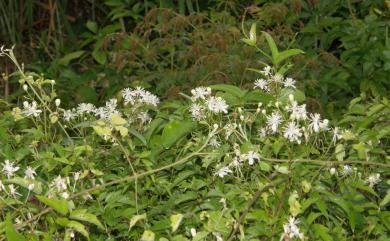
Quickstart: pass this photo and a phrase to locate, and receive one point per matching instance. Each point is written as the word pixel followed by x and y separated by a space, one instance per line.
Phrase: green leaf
pixel 322 232
pixel 69 57
pixel 135 219
pixel 10 231
pixel 78 227
pixel 340 152
pixel 59 205
pixel 175 130
pixel 200 236
pixel 25 183
pixel 287 54
pixel 231 89
pixel 99 56
pixel 117 120
pixel 386 199
pixel 175 221
pixel 83 215
pixel 92 26
pixel 272 46
pixel 265 166
pixel 252 33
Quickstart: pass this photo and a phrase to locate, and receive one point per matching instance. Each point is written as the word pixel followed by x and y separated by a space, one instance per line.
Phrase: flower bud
pixel 57 102
pixel 25 87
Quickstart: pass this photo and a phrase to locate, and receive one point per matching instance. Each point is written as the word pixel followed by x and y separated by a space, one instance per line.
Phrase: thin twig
pixel 254 199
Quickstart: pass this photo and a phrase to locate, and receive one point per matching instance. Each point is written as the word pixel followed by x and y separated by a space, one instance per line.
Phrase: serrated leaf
pixel 83 215
pixel 59 205
pixel 175 221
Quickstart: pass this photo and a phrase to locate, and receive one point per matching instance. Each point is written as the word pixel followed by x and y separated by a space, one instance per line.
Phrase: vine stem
pixel 327 163
pixel 254 199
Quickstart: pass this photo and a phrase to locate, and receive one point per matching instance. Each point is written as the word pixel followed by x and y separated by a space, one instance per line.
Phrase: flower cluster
pixel 10 170
pixel 204 104
pixel 291 230
pixel 272 80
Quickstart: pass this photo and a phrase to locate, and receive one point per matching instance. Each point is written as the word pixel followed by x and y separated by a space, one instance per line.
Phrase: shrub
pixel 227 164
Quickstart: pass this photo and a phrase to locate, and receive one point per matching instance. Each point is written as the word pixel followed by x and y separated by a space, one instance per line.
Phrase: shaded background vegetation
pixel 96 47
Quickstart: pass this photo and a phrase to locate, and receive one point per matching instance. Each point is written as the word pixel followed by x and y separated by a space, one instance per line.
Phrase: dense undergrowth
pixel 227 164
pixel 196 120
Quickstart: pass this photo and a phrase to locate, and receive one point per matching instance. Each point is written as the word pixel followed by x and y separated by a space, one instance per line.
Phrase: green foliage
pixel 224 162
pixel 218 166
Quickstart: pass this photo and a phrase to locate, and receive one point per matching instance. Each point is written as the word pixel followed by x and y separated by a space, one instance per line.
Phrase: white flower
pixel 332 171
pixel 25 87
pixel 289 82
pixel 315 121
pixel 261 84
pixel 144 117
pixel 291 230
pixel 31 186
pixel 216 105
pixel 336 134
pixel 373 179
pixel 139 96
pixel 29 173
pixel 223 172
pixel 150 99
pixel 251 157
pixel 298 112
pixel 200 93
pixel 69 115
pixel 76 176
pixel 263 132
pixel 324 124
pixel 59 183
pixel 196 112
pixel 292 132
pixel 214 142
pixel 85 108
pixel 266 71
pixel 277 78
pixel 31 109
pixel 64 195
pixel 9 168
pixel 347 170
pixel 13 191
pixel 274 121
